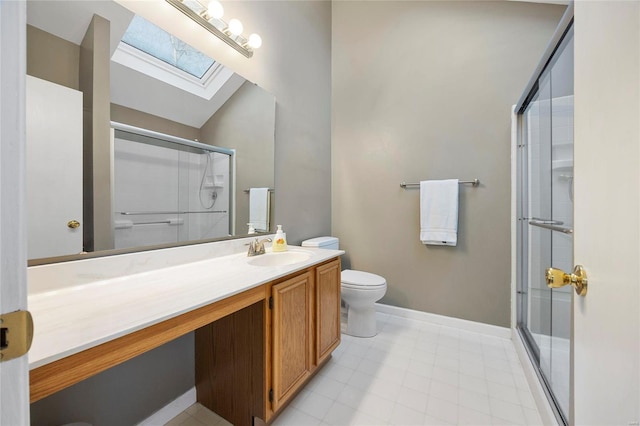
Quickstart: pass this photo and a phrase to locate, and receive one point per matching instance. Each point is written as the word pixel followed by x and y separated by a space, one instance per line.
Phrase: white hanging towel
pixel 439 212
pixel 259 208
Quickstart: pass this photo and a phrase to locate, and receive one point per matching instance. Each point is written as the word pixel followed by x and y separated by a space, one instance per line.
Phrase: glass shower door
pixel 546 222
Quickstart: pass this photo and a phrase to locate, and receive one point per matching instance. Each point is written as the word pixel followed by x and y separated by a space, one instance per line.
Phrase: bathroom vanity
pixel 262 328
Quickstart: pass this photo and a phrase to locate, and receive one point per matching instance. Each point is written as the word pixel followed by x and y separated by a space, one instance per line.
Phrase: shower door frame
pixel 522 237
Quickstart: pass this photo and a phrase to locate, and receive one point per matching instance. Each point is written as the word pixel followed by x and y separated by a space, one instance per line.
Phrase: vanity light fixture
pixel 215 9
pixel 235 27
pixel 210 18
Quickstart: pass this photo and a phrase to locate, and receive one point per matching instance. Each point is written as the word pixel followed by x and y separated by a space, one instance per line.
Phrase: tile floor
pixel 415 373
pixel 197 415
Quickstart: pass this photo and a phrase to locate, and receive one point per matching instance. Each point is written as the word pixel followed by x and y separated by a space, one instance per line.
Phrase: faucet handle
pixel 257 246
pixel 252 247
pixel 260 245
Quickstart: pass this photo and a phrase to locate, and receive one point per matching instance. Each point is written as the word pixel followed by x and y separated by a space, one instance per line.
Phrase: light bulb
pixel 215 9
pixel 255 41
pixel 235 27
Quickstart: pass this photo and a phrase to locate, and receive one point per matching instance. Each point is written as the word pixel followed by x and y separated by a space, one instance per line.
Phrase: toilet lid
pixel 361 279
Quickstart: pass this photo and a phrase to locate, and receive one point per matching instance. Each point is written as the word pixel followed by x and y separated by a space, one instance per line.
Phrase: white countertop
pixel 71 319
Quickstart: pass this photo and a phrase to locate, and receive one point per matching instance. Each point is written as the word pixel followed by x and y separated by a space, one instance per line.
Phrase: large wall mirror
pixel 135 140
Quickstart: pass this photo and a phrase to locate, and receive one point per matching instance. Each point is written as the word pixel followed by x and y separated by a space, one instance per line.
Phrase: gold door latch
pixel 16 334
pixel 73 224
pixel 558 278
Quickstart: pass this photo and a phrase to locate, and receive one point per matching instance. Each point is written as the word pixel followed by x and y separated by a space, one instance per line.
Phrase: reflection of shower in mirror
pixel 168 189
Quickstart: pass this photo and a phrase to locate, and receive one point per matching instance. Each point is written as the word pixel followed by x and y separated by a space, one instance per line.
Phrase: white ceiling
pixel 70 19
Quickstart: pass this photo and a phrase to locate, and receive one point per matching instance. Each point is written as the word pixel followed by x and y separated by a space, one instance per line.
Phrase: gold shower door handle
pixel 558 278
pixel 73 224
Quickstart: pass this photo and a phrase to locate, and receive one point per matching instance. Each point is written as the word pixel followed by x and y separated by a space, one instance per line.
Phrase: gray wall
pixel 133 117
pixel 423 90
pixel 52 58
pixel 125 394
pixel 97 148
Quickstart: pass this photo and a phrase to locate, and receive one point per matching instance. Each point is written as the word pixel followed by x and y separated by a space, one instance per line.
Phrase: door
pixel 606 352
pixel 14 374
pixel 292 333
pixel 327 309
pixel 546 223
pixel 54 169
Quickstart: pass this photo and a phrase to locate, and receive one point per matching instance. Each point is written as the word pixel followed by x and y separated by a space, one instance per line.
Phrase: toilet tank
pixel 331 243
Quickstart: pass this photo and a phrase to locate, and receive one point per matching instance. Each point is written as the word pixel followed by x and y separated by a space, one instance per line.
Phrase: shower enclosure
pixel 169 190
pixel 545 220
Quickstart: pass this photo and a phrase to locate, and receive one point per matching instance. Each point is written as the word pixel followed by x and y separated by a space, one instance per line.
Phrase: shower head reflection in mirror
pixel 212 195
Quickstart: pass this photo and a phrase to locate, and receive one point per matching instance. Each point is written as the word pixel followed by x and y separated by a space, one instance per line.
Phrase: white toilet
pixel 360 291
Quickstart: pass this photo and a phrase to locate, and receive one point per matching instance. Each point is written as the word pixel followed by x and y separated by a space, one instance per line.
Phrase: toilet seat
pixel 361 280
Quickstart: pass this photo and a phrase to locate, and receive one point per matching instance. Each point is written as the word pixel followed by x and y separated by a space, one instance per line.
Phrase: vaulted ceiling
pixel 69 20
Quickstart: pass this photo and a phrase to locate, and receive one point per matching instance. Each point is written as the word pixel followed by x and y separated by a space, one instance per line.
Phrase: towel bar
pixel 474 182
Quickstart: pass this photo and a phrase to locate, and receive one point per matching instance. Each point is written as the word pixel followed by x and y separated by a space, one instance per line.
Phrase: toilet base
pixel 361 321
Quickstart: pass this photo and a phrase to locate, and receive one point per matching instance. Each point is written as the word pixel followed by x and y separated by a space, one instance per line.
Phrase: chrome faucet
pixel 256 247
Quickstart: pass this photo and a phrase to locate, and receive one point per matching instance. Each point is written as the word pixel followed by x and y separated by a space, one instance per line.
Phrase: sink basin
pixel 279 259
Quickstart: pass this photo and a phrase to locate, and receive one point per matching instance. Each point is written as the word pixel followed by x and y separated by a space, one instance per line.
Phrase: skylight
pixel 154 41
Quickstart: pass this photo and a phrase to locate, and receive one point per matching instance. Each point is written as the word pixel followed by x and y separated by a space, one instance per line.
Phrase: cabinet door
pixel 292 336
pixel 327 309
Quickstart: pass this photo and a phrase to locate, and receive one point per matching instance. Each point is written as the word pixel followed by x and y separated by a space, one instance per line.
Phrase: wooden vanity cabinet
pixel 250 364
pixel 229 364
pixel 292 336
pixel 327 304
pixel 305 328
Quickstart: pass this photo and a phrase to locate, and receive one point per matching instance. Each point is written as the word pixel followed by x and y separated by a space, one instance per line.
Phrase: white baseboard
pixel 546 412
pixel 171 410
pixel 476 327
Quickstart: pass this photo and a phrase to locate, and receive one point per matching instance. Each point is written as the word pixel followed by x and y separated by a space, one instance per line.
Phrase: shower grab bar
pixel 546 221
pixel 126 224
pixel 157 222
pixel 183 212
pixel 542 224
pixel 474 182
